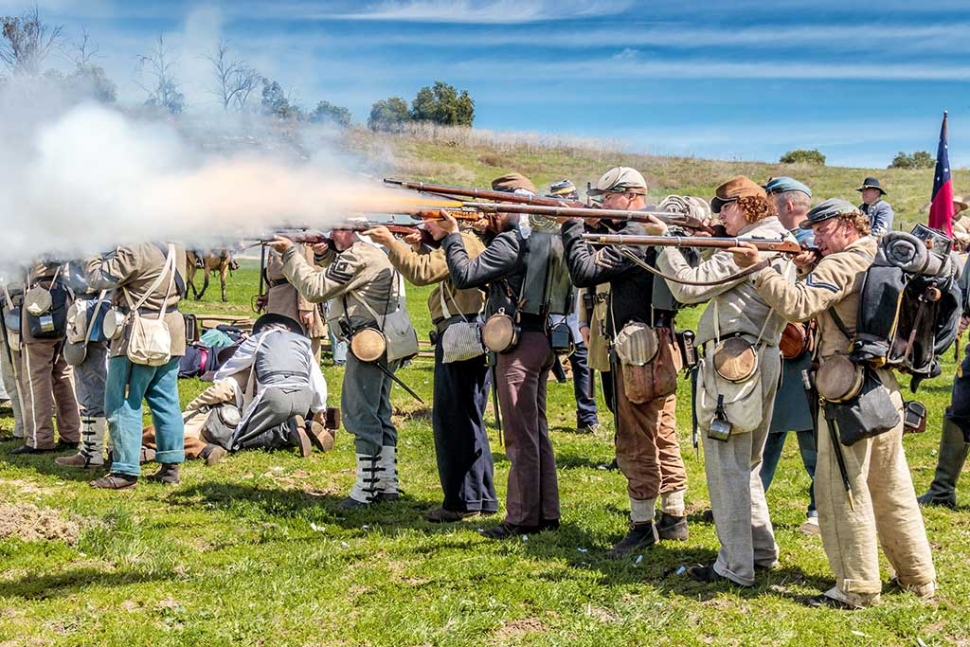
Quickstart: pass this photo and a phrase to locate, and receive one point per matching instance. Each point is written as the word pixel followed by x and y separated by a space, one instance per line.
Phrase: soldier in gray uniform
pixel 364 288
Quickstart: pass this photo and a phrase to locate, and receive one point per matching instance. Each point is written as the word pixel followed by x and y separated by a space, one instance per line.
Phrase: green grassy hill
pixel 455 157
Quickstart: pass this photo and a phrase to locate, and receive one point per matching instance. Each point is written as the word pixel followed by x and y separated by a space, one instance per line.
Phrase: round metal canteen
pixel 735 359
pixel 838 379
pixel 500 333
pixel 368 345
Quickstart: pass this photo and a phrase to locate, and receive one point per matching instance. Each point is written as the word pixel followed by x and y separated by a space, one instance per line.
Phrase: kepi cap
pixel 784 184
pixel 513 182
pixel 871 183
pixel 736 187
pixel 620 179
pixel 831 208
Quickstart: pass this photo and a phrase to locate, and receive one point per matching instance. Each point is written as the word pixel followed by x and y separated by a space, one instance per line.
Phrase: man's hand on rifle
pixel 280 243
pixel 380 235
pixel 445 226
pixel 745 255
pixel 321 248
pixel 653 226
pixel 807 259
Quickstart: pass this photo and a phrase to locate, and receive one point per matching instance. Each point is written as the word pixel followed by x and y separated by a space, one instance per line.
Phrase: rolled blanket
pixel 687 205
pixel 910 254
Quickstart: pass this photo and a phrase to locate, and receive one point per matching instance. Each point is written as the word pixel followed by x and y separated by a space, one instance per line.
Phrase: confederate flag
pixel 941 209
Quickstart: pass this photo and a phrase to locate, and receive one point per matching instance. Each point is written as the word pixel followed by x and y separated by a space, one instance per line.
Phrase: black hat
pixel 271 318
pixel 871 183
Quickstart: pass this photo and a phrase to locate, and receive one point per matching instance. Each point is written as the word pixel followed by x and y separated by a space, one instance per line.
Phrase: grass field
pixel 254 552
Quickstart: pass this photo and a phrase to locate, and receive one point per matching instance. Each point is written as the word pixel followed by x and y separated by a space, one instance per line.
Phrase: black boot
pixel 167 474
pixel 953 453
pixel 640 536
pixel 672 528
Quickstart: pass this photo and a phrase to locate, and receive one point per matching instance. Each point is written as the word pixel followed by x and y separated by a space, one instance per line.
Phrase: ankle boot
pixel 388 485
pixel 953 453
pixel 167 474
pixel 367 484
pixel 91 454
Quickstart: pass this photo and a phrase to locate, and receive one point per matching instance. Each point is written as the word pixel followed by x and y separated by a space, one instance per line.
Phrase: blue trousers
pixel 461 443
pixel 365 402
pixel 126 387
pixel 772 454
pixel 585 405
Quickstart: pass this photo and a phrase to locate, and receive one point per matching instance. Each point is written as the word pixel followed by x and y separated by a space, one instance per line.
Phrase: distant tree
pixel 326 111
pixel 277 103
pixel 91 81
pixel 802 156
pixel 26 42
pixel 235 81
pixel 442 104
pixel 88 79
pixel 388 114
pixel 163 90
pixel 919 159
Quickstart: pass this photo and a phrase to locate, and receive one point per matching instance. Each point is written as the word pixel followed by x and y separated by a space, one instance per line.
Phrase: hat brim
pixel 878 188
pixel 718 203
pixel 963 205
pixel 272 318
pixel 807 224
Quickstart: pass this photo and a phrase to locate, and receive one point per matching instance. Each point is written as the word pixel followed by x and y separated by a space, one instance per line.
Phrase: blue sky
pixel 732 79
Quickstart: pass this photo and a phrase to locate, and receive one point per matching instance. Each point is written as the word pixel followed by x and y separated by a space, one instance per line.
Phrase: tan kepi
pixel 500 333
pixel 735 359
pixel 839 379
pixel 368 345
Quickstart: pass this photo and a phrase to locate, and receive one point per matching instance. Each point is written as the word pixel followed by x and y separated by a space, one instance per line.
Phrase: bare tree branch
pixel 164 90
pixel 235 81
pixel 26 42
pixel 81 52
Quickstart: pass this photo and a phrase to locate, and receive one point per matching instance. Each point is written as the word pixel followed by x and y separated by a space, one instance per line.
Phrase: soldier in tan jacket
pixel 286 300
pixel 142 278
pixel 364 288
pixel 885 511
pixel 460 388
pixel 47 380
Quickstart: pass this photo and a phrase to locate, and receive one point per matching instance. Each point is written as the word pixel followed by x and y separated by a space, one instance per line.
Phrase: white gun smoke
pixel 89 178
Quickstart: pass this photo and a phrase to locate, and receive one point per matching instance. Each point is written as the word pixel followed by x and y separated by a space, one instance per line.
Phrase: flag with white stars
pixel 941 209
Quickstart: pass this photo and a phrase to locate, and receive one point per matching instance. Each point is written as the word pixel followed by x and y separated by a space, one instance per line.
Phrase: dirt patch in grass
pixel 30 523
pixel 519 628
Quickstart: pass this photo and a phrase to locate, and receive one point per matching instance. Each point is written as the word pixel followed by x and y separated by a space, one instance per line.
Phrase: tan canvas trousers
pixel 733 470
pixel 48 384
pixel 885 512
pixel 11 385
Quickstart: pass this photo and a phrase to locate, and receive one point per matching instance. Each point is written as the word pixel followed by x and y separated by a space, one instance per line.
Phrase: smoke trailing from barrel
pixel 89 178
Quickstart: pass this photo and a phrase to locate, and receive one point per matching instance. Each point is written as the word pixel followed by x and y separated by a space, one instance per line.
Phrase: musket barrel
pixel 763 244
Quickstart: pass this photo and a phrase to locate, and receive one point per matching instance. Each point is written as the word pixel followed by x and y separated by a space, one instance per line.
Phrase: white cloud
pixel 482 12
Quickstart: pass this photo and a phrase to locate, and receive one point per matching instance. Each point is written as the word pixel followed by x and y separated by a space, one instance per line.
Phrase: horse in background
pixel 210 262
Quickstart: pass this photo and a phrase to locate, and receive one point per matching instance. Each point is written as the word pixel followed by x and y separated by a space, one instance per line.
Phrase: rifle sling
pixel 757 267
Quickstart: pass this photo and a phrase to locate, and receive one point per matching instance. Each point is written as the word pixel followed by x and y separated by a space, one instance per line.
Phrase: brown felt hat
pixel 513 182
pixel 736 187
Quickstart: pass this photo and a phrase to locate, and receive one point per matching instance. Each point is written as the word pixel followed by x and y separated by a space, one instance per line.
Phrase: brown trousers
pixel 193 444
pixel 647 449
pixel 48 384
pixel 521 374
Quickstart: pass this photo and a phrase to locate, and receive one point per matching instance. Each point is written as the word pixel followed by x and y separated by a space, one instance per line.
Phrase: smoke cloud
pixel 78 180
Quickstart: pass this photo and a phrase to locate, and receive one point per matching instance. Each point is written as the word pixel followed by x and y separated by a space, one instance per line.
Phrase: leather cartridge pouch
pixel 368 345
pixel 648 360
pixel 870 413
pixel 500 332
pixel 914 417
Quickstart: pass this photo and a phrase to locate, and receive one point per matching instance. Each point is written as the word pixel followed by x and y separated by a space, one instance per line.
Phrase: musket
pixel 507 198
pixel 587 213
pixel 762 244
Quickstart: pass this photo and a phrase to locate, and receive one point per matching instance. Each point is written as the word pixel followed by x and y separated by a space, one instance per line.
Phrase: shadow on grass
pixel 41 587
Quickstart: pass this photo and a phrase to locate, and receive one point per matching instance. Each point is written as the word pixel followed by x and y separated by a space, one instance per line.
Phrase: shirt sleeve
pixel 110 270
pixel 824 287
pixel 589 267
pixel 717 269
pixel 316 286
pixel 499 259
pixel 318 386
pixel 241 360
pixel 417 268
